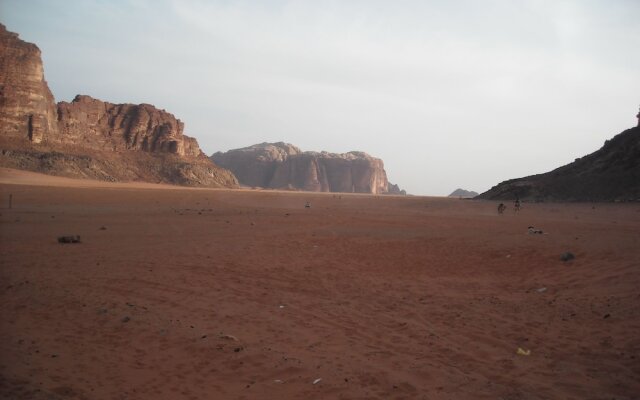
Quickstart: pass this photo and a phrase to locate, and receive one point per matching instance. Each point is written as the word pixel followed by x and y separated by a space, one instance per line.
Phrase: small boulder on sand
pixel 566 256
pixel 69 239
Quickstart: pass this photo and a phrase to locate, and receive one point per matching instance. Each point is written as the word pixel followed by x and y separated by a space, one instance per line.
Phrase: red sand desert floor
pixel 217 294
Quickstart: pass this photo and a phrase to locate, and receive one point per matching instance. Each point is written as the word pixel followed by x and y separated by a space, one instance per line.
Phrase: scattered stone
pixel 238 349
pixel 126 319
pixel 566 256
pixel 541 290
pixel 69 239
pixel 317 381
pixel 203 337
pixel 103 228
pixel 307 205
pixel 533 231
pixel 228 337
pixel 606 316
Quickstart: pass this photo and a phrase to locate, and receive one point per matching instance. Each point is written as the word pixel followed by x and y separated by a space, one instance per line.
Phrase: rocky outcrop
pixel 284 166
pixel 395 189
pixel 609 174
pixel 105 126
pixel 465 194
pixel 27 108
pixel 89 138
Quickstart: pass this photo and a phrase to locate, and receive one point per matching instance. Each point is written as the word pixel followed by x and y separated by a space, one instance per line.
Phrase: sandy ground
pixel 220 294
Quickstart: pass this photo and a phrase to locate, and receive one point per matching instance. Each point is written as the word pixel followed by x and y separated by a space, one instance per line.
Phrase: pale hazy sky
pixel 448 93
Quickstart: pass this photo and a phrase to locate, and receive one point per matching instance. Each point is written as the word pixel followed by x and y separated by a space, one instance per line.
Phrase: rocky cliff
pixel 27 108
pixel 106 126
pixel 284 166
pixel 609 174
pixel 89 138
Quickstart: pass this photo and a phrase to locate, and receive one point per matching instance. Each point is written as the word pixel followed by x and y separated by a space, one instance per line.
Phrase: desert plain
pixel 179 293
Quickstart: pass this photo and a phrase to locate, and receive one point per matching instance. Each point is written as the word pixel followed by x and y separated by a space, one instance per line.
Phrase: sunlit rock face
pixel 90 138
pixel 284 166
pixel 143 127
pixel 27 107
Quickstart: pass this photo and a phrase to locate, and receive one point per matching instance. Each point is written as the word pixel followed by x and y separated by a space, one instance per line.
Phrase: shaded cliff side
pixel 611 173
pixel 395 189
pixel 284 166
pixel 89 138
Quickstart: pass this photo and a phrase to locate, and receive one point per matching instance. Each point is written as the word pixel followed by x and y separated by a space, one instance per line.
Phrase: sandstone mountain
pixel 89 138
pixel 609 174
pixel 465 194
pixel 284 166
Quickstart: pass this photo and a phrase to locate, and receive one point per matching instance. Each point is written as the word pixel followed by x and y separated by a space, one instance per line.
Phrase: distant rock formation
pixel 284 166
pixel 89 138
pixel 465 194
pixel 609 174
pixel 395 189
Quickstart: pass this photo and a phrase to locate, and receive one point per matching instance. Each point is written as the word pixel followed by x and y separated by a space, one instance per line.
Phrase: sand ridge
pixel 222 294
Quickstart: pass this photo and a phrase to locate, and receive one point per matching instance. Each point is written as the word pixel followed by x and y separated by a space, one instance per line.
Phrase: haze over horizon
pixel 449 95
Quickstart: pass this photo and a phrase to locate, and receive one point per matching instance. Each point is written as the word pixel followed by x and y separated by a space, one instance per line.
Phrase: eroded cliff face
pixel 89 138
pixel 27 108
pixel 106 126
pixel 284 166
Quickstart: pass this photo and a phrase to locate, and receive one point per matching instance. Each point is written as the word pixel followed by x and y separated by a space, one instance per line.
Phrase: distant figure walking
pixel 501 208
pixel 516 205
